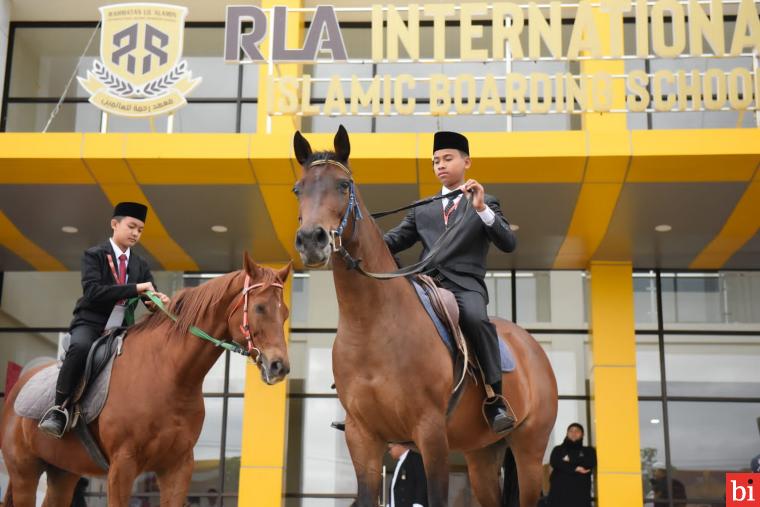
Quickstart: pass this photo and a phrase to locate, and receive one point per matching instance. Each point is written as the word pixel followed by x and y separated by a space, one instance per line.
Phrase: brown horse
pixel 154 411
pixel 393 374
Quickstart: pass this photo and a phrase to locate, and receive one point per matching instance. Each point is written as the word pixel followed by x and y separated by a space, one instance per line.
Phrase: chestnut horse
pixel 393 374
pixel 153 415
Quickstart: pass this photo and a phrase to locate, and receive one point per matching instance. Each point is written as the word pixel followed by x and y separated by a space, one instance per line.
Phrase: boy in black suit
pixel 111 275
pixel 462 266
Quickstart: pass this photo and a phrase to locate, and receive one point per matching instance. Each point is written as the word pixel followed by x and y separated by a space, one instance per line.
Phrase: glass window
pixel 568 356
pixel 648 365
pixel 709 439
pixel 712 365
pixel 233 445
pixel 207 449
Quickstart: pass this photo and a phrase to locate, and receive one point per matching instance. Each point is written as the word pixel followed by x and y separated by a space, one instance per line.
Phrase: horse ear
pixel 341 143
pixel 282 275
pixel 249 265
pixel 301 148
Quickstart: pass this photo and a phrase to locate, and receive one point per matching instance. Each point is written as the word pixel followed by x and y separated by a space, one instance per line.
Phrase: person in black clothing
pixel 409 485
pixel 461 267
pixel 572 464
pixel 112 274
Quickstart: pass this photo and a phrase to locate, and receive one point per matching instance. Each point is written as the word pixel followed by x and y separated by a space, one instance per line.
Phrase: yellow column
pixel 615 405
pixel 608 155
pixel 262 459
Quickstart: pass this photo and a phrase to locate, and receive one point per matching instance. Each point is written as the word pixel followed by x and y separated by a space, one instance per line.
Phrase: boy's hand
pixel 475 192
pixel 145 286
pixel 150 305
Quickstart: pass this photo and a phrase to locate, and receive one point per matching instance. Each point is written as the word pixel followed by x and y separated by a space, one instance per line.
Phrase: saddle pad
pixel 38 395
pixel 506 360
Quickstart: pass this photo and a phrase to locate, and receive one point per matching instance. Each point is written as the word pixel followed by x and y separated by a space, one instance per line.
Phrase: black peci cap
pixel 131 209
pixel 450 140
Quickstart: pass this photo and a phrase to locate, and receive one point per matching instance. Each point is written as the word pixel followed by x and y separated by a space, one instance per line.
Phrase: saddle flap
pixel 99 356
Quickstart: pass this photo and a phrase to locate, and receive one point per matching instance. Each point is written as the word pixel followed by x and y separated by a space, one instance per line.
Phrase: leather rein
pixel 352 208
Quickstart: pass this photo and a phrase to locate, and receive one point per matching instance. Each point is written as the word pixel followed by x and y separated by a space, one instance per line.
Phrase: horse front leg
pixel 366 451
pixel 433 443
pixel 175 482
pixel 121 477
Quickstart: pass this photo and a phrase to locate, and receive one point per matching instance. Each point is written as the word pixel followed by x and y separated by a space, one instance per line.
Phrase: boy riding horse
pixel 462 266
pixel 111 275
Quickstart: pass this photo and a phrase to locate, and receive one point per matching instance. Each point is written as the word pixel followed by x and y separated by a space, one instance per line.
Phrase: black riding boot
pixel 56 419
pixel 497 413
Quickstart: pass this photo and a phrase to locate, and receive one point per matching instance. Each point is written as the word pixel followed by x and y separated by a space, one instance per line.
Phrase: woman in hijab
pixel 572 463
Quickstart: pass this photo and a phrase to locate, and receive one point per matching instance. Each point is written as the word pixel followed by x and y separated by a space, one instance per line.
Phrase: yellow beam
pixel 15 241
pixel 262 459
pixel 740 227
pixel 103 156
pixel 189 159
pixel 702 155
pixel 53 158
pixel 614 388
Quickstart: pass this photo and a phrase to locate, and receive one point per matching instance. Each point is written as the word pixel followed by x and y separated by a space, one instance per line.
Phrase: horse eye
pixel 297 190
pixel 260 309
pixel 344 185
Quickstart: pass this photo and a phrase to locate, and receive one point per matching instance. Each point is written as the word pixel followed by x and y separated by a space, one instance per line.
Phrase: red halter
pixel 245 327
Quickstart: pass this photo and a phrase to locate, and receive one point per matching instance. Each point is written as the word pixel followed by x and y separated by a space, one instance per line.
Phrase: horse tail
pixel 511 492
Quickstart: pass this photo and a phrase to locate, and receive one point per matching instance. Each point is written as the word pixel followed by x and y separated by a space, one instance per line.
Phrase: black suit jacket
pixel 463 261
pixel 411 485
pixel 99 287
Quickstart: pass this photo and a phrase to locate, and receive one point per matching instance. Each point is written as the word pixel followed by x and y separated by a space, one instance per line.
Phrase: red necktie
pixel 122 269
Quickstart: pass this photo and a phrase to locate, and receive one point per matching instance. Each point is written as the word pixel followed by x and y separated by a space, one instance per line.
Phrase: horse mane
pixel 190 305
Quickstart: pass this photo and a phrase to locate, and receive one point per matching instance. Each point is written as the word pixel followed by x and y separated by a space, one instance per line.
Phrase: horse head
pixel 257 318
pixel 326 198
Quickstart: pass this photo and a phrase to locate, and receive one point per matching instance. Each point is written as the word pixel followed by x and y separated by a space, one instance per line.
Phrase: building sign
pixel 666 29
pixel 140 72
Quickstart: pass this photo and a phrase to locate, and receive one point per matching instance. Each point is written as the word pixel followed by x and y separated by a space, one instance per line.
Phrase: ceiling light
pixel 514 227
pixel 663 228
pixel 219 228
pixel 654 421
pixel 69 229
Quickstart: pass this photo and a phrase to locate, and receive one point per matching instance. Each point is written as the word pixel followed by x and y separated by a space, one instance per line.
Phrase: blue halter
pixel 336 236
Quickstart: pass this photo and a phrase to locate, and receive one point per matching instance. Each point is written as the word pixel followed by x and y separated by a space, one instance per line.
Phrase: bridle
pixel 336 235
pixel 245 327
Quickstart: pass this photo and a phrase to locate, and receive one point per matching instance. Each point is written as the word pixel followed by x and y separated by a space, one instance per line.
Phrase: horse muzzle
pixel 314 246
pixel 273 371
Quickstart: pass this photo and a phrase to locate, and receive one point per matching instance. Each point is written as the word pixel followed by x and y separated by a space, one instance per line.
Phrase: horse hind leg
pixel 60 487
pixel 529 460
pixel 483 469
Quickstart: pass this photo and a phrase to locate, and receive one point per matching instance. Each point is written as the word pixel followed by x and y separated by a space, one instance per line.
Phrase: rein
pixel 336 235
pixel 245 327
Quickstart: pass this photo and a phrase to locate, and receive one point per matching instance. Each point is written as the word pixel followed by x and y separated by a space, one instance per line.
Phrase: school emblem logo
pixel 140 72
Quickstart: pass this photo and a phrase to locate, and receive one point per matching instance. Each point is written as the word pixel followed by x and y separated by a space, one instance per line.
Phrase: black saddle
pixel 100 353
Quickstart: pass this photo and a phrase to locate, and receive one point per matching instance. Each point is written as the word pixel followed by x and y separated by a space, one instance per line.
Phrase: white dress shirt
pixel 487 215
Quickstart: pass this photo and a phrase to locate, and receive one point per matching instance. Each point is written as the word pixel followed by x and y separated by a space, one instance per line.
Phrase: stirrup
pixel 55 409
pixel 512 417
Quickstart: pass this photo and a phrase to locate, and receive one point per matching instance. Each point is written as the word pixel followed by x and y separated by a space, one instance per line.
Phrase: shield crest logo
pixel 141 42
pixel 141 72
